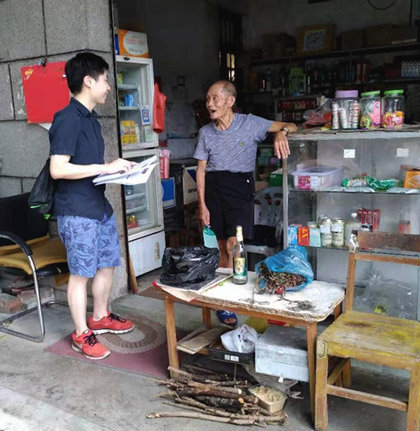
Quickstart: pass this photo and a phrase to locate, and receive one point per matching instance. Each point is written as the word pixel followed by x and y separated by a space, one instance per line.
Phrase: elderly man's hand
pixel 281 145
pixel 204 215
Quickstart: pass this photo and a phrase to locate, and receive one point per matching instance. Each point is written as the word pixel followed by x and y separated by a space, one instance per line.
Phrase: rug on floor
pixel 143 350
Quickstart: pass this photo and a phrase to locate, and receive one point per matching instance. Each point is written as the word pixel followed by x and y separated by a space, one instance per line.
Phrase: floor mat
pixel 143 350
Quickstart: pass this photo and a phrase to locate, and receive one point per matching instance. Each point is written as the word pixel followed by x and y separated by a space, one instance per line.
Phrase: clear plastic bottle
pixel 393 109
pixel 240 264
pixel 345 109
pixel 268 80
pixel 370 105
pixel 352 224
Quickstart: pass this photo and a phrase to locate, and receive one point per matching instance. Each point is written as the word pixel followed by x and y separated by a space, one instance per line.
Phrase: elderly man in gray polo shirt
pixel 226 153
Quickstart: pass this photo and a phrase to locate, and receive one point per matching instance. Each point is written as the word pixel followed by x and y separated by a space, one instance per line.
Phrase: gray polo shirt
pixel 233 149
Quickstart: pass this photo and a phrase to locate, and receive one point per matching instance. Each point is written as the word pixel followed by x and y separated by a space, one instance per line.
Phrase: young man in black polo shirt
pixel 85 219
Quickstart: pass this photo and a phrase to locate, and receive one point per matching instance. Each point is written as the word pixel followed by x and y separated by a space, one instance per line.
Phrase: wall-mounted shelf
pixel 339 53
pixel 317 134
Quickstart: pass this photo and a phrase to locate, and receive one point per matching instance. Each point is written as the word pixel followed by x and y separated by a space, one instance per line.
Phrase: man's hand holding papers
pixel 138 174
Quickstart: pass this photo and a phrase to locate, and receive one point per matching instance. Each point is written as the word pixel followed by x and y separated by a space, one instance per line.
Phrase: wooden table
pixel 305 308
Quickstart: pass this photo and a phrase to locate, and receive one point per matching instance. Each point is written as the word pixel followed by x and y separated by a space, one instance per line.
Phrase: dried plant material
pixel 277 282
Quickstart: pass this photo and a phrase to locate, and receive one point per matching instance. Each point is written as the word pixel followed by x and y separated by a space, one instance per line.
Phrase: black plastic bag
pixel 189 267
pixel 41 197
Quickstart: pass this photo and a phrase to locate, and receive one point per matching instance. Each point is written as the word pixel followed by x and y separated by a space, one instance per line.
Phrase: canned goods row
pixel 332 231
pixel 369 217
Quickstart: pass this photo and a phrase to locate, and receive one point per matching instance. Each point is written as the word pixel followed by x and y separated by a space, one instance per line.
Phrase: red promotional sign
pixel 45 90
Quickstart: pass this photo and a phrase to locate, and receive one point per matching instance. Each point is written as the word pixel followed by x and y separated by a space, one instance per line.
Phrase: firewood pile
pixel 213 397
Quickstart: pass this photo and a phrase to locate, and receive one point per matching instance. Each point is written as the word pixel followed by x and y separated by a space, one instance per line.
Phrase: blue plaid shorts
pixel 91 244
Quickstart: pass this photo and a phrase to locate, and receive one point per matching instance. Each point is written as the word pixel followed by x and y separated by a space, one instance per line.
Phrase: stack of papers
pixel 139 174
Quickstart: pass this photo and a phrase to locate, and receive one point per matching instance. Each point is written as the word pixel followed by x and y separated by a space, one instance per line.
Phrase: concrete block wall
pixel 30 31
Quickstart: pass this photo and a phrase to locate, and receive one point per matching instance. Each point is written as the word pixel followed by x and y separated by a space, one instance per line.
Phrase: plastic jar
pixel 345 110
pixel 393 109
pixel 370 105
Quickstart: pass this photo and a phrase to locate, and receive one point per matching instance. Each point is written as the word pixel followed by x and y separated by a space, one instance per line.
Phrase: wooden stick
pixel 216 393
pixel 221 389
pixel 205 371
pixel 196 416
pixel 201 407
pixel 247 420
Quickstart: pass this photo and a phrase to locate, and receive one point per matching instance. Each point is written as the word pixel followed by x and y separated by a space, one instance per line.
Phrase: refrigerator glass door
pixel 135 86
pixel 143 202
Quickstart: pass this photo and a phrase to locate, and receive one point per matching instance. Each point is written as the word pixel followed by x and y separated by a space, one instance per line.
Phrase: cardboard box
pixel 353 39
pixel 303 236
pixel 315 237
pixel 412 179
pixel 379 35
pixel 404 34
pixel 292 234
pixel 131 44
pixel 168 192
pixel 277 45
pixel 189 184
pixel 272 406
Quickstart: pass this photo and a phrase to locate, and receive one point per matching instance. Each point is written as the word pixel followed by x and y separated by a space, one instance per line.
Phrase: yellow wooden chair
pixel 368 337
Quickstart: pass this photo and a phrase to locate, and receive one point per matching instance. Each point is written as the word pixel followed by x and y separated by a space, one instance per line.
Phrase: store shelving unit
pixel 339 53
pixel 261 99
pixel 375 154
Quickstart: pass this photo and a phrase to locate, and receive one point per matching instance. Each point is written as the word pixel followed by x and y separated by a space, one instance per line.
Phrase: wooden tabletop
pixel 314 303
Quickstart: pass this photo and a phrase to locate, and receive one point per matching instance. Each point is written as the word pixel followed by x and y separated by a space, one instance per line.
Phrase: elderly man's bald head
pixel 227 87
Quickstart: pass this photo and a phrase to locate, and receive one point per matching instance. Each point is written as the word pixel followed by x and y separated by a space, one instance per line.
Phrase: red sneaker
pixel 110 323
pixel 89 345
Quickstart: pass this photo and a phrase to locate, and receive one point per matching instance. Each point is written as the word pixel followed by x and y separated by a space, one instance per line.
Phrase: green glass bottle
pixel 240 264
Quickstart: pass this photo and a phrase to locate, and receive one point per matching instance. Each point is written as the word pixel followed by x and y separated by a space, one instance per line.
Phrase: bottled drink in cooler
pixel 404 225
pixel 240 264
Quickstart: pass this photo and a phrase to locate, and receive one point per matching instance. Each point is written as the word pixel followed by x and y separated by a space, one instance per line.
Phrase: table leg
pixel 171 334
pixel 206 312
pixel 311 335
pixel 337 311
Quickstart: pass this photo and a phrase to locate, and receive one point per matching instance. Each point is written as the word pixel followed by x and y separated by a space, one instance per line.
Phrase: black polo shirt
pixel 76 132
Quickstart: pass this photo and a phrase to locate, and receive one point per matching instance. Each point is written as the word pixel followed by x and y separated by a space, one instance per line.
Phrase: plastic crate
pixel 317 177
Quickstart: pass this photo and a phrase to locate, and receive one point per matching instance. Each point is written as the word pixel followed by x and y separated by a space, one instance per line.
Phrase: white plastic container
pixel 282 352
pixel 317 177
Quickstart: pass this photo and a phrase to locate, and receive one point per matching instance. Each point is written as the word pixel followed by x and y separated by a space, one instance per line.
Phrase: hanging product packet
pixel 159 106
pixel 373 183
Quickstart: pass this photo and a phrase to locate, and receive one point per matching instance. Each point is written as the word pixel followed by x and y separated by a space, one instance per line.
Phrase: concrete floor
pixel 41 391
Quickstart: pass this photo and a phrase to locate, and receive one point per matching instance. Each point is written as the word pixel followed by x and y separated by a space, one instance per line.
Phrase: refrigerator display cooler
pixel 144 217
pixel 143 202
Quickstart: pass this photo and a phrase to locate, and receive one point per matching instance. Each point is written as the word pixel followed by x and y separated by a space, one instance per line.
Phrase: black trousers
pixel 229 197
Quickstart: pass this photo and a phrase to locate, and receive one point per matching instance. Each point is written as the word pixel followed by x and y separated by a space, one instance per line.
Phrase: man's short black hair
pixel 84 64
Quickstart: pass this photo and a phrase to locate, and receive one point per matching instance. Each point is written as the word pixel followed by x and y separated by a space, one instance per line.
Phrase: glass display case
pixel 361 179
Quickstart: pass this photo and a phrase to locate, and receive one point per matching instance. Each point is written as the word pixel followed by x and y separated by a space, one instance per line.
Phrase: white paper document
pixel 139 174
